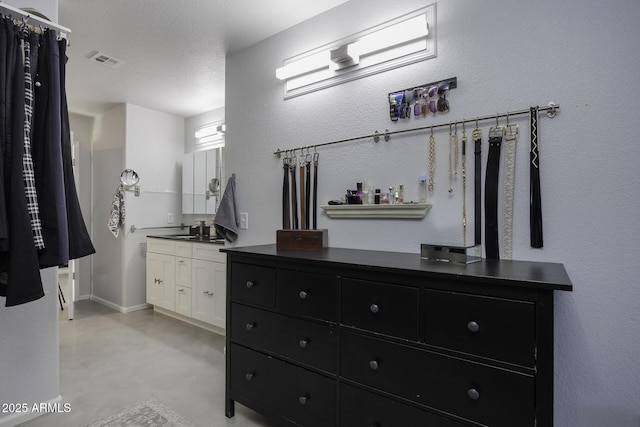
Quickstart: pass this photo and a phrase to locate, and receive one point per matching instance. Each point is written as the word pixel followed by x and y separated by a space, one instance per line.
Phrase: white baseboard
pixel 195 322
pixel 22 417
pixel 119 307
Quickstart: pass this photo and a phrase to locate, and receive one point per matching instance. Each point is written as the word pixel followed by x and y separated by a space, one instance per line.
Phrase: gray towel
pixel 116 216
pixel 228 218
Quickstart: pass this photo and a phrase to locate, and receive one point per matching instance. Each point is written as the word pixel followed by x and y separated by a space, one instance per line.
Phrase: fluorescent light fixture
pixel 391 36
pixel 398 42
pixel 212 141
pixel 210 135
pixel 305 65
pixel 206 131
pixel 343 57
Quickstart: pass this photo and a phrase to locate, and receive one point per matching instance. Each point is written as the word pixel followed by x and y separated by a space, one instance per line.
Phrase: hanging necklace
pixel 464 185
pixel 450 160
pixel 432 161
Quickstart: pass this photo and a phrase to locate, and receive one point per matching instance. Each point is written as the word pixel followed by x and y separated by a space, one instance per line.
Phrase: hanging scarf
pixel 116 216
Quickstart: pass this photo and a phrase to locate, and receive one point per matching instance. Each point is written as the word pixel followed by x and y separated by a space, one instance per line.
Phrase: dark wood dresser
pixel 355 338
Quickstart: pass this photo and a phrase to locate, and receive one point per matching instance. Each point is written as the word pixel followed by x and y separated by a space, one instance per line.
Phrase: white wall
pixel 109 137
pixel 82 127
pixel 506 57
pixel 151 143
pixel 154 148
pixel 29 333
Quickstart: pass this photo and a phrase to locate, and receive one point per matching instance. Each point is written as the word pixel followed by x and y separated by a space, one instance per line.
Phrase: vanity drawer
pixel 183 249
pixel 497 328
pixel 161 246
pixel 306 398
pixel 254 284
pixel 360 408
pixel 380 307
pixel 208 252
pixel 306 342
pixel 308 294
pixel 478 392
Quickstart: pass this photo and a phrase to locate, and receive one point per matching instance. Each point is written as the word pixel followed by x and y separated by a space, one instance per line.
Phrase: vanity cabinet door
pixel 161 280
pixel 208 281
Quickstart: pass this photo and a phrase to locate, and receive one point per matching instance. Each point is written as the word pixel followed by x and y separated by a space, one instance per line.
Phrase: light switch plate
pixel 244 220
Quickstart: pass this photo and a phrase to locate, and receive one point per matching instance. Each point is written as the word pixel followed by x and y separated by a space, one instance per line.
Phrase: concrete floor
pixel 110 360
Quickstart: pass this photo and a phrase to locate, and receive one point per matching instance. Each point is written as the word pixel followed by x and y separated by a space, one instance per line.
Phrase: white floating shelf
pixel 409 210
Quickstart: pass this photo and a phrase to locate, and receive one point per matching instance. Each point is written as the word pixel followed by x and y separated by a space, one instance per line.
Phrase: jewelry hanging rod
pixel 551 110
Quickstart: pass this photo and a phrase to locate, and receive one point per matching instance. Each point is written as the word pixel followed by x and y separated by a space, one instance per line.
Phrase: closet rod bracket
pixel 552 109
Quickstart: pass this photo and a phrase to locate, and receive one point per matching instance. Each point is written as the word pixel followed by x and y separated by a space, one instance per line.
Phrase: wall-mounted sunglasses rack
pixel 429 98
pixel 551 109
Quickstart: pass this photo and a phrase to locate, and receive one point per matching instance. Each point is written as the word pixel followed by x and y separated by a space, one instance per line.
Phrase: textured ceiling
pixel 173 51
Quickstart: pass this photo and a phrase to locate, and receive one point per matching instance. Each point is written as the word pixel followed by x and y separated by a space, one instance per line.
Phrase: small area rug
pixel 149 413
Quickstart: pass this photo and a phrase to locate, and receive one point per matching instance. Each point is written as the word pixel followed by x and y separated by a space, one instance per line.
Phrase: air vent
pixel 105 59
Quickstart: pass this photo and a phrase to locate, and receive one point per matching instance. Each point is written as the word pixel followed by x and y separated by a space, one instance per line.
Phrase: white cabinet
pixel 208 279
pixel 187 279
pixel 183 300
pixel 161 280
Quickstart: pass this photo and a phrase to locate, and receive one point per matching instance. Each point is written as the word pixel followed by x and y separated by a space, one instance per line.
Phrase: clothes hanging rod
pixel 13 11
pixel 551 109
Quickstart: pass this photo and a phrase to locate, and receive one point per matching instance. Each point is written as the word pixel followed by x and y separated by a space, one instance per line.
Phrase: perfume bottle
pixel 422 188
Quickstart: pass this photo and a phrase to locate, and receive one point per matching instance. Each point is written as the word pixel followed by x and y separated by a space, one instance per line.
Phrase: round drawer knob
pixel 304 343
pixel 473 394
pixel 374 365
pixel 473 326
pixel 303 400
pixel 303 294
pixel 250 284
pixel 374 308
pixel 250 326
pixel 249 376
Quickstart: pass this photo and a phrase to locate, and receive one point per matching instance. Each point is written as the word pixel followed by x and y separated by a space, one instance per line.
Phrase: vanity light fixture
pixel 304 65
pixel 210 135
pixel 205 131
pixel 401 41
pixel 394 35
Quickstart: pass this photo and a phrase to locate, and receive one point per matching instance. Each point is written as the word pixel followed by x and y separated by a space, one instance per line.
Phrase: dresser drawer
pixel 254 284
pixel 380 307
pixel 497 328
pixel 360 408
pixel 303 341
pixel 306 398
pixel 308 294
pixel 478 392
